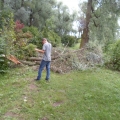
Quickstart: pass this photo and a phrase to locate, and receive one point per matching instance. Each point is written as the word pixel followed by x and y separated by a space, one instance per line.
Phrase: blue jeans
pixel 42 65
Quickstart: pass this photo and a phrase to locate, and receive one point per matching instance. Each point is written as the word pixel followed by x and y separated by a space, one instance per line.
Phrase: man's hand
pixel 36 49
pixel 41 51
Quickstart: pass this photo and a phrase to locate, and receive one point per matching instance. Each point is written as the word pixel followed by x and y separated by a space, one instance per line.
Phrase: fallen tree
pixel 65 60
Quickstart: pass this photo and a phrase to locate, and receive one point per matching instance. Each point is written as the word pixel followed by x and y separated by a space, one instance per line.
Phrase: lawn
pixel 78 95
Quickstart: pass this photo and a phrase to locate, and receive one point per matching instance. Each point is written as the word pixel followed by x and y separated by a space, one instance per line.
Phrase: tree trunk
pixel 2 4
pixel 31 18
pixel 22 3
pixel 85 35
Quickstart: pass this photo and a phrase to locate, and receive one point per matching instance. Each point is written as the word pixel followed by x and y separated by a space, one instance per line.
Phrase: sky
pixel 72 4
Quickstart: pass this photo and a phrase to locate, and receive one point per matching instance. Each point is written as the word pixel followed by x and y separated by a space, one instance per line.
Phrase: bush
pixel 37 36
pixel 3 60
pixel 68 40
pixel 30 50
pixel 51 36
pixel 113 55
pixel 116 56
pixel 22 40
pixel 7 37
pixel 26 51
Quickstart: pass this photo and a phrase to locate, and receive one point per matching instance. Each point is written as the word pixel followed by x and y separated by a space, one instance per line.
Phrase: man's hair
pixel 44 39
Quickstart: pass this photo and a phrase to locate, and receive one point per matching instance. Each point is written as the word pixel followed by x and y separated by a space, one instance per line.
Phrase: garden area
pixel 85 61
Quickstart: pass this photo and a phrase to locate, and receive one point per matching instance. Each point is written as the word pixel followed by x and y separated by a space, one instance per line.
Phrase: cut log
pixel 13 59
pixel 37 62
pixel 35 59
pixel 28 63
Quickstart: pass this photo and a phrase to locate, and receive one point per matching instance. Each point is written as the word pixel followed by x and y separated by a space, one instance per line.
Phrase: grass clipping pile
pixel 64 61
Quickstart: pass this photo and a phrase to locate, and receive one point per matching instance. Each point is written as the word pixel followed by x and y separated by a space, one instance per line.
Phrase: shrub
pixel 18 25
pixel 37 36
pixel 30 50
pixel 32 29
pixel 116 56
pixel 3 60
pixel 22 40
pixel 68 40
pixel 52 37
pixel 7 37
pixel 113 55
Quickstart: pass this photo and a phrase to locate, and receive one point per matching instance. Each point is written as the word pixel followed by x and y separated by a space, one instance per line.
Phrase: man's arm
pixel 38 50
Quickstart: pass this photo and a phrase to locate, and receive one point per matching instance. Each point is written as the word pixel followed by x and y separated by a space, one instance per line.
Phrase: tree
pixel 104 19
pixel 63 19
pixel 85 35
pixel 39 12
pixel 101 21
pixel 31 12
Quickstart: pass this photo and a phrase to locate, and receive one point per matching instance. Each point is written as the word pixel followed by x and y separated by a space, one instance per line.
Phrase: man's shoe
pixel 47 80
pixel 36 79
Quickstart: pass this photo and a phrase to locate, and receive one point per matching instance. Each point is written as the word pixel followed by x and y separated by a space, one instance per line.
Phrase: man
pixel 46 50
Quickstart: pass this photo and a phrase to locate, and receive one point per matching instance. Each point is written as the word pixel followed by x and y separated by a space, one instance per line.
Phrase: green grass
pixel 79 95
pixel 76 46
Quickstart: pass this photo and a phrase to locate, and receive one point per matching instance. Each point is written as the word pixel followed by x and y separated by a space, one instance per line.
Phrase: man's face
pixel 43 41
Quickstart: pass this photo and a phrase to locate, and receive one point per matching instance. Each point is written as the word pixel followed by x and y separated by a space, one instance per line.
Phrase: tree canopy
pixel 102 21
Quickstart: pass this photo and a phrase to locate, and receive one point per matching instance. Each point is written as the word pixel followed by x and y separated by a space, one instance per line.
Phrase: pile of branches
pixel 65 60
pixel 81 59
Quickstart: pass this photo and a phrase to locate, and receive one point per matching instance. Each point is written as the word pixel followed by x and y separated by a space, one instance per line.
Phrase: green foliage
pixel 22 14
pixel 113 55
pixel 21 42
pixel 103 24
pixel 7 32
pixel 3 60
pixel 42 13
pixel 116 56
pixel 37 36
pixel 4 18
pixel 32 29
pixel 52 36
pixel 7 38
pixel 39 11
pixel 64 20
pixel 68 40
pixel 30 50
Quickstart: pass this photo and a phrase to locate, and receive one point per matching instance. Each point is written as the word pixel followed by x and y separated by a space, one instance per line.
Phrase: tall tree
pixel 85 35
pixel 104 19
pixel 39 12
pixel 101 22
pixel 63 19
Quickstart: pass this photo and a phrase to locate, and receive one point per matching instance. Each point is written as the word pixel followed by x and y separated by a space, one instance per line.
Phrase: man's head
pixel 44 40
